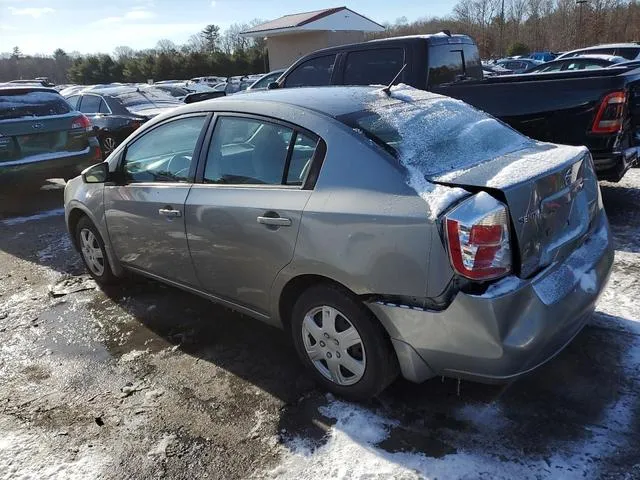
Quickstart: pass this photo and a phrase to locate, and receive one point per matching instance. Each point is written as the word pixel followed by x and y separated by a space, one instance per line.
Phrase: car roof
pixel 597 56
pixel 25 88
pixel 435 39
pixel 604 45
pixel 332 101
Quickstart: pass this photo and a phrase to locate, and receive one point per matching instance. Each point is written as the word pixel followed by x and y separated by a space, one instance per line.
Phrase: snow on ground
pixel 352 445
pixel 29 454
pixel 38 216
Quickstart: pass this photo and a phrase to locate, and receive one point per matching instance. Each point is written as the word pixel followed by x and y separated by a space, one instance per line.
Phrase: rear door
pixel 242 221
pixel 145 211
pixel 36 123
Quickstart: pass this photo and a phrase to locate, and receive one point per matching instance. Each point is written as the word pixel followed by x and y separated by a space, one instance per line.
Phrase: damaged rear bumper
pixel 499 336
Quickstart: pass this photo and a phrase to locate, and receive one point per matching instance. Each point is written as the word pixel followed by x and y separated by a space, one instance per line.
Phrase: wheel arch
pixel 297 285
pixel 76 212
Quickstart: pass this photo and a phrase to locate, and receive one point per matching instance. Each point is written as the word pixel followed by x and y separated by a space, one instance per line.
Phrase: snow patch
pixel 31 218
pixel 27 454
pixel 133 355
pixel 160 450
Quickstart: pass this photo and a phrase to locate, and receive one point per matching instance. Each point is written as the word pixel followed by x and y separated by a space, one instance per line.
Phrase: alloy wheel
pixel 108 145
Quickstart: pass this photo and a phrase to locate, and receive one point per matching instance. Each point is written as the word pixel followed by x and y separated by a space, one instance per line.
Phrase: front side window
pixel 312 73
pixel 373 67
pixel 553 68
pixel 165 153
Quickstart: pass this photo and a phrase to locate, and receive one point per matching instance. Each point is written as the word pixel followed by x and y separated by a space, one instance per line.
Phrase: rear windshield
pixel 431 133
pixel 23 104
pixel 147 99
pixel 446 66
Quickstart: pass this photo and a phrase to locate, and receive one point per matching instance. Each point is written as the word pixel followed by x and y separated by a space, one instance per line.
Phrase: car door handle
pixel 275 221
pixel 169 212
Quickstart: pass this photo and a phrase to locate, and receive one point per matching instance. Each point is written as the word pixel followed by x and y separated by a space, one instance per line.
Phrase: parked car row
pixel 276 203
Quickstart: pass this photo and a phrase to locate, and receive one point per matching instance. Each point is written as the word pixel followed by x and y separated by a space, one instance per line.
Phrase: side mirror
pixel 96 174
pixel 273 86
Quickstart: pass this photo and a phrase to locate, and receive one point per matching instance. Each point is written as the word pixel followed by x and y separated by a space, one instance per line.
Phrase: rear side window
pixel 628 53
pixel 247 151
pixel 373 67
pixel 73 101
pixel 445 63
pixel 90 104
pixel 23 104
pixel 312 73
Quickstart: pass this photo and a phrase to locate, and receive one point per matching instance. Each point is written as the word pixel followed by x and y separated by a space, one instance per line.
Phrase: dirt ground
pixel 145 381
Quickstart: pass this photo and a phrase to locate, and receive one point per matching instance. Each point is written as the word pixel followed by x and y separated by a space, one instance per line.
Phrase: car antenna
pixel 387 89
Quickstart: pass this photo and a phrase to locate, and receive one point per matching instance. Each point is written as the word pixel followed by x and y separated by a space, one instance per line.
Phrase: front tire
pixel 108 145
pixel 342 344
pixel 93 252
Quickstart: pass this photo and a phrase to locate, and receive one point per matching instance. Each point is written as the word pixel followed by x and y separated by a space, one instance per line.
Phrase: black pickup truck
pixel 596 108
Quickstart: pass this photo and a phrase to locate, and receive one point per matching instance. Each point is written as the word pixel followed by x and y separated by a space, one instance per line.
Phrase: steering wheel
pixel 179 165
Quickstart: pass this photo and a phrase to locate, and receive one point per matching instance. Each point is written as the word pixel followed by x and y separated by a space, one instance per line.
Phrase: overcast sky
pixel 87 26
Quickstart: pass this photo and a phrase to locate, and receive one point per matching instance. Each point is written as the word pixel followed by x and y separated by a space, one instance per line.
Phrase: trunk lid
pixel 552 195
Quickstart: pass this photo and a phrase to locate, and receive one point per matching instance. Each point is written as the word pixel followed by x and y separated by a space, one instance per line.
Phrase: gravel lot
pixel 144 381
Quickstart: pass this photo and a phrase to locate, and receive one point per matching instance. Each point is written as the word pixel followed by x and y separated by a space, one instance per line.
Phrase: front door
pixel 243 219
pixel 145 214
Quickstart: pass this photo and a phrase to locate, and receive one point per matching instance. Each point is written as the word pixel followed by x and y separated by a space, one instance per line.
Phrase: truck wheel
pixel 342 344
pixel 93 252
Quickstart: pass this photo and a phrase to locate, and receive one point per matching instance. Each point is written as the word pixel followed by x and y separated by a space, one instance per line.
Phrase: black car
pixel 42 137
pixel 115 112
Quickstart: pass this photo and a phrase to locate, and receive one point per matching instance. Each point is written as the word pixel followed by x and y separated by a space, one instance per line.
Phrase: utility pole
pixel 502 30
pixel 580 3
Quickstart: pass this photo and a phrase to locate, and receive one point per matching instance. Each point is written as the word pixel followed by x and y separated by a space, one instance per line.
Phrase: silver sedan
pixel 387 230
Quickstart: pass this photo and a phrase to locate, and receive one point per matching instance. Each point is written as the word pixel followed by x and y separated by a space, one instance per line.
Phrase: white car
pixel 629 51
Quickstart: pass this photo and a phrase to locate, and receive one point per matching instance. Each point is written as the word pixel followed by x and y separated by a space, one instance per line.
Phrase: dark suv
pixel 42 137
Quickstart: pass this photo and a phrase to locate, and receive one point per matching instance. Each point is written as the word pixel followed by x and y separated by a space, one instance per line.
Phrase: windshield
pixel 141 100
pixel 21 104
pixel 433 134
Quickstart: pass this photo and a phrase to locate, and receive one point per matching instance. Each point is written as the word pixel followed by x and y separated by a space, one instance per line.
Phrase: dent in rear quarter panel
pixel 363 226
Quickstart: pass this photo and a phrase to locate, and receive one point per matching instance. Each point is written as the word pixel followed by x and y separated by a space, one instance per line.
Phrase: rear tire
pixel 342 344
pixel 93 252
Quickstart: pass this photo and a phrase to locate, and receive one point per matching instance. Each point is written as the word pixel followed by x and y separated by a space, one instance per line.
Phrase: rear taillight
pixel 81 122
pixel 478 238
pixel 610 114
pixel 135 124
